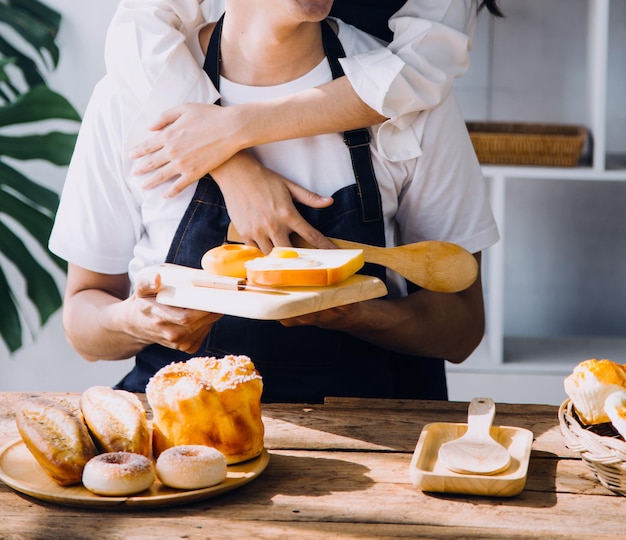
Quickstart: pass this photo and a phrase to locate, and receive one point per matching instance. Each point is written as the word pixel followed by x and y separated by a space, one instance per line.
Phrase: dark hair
pixel 492 7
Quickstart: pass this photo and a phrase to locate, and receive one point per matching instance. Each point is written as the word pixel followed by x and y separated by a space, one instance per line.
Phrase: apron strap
pixel 357 140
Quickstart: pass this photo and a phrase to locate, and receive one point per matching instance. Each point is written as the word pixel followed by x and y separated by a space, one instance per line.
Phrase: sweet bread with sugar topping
pixel 208 401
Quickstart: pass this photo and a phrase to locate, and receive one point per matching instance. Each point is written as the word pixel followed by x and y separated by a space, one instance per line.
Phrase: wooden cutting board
pixel 271 304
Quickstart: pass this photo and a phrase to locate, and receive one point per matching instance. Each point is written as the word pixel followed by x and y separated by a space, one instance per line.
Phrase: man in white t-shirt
pixel 109 228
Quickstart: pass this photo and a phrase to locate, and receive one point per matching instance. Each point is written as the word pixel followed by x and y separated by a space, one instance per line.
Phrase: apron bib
pixel 301 364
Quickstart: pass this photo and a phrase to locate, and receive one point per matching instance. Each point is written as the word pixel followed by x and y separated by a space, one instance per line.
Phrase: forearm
pixel 333 107
pixel 96 328
pixel 425 324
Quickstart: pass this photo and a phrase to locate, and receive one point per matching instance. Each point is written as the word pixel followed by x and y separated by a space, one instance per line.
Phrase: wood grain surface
pixel 341 470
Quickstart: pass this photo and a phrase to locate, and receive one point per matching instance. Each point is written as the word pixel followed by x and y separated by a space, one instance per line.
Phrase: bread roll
pixel 116 420
pixel 615 408
pixel 56 435
pixel 208 401
pixel 229 259
pixel 301 267
pixel 588 386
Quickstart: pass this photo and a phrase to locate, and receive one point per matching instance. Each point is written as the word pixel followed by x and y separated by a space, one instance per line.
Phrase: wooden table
pixel 340 470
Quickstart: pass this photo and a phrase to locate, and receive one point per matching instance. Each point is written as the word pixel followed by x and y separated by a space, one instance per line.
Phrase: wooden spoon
pixel 476 452
pixel 432 264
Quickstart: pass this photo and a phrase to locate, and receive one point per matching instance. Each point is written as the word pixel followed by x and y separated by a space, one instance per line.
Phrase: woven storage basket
pixel 600 447
pixel 527 144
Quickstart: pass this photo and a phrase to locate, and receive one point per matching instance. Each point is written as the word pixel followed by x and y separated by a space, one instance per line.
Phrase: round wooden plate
pixel 20 471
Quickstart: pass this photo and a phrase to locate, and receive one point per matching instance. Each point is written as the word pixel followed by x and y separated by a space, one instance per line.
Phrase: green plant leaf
pixel 40 12
pixel 40 285
pixel 36 194
pixel 39 103
pixel 55 147
pixel 37 26
pixel 26 99
pixel 34 219
pixel 26 65
pixel 10 324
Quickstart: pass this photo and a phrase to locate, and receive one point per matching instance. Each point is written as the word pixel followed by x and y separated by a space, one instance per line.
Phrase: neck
pixel 260 49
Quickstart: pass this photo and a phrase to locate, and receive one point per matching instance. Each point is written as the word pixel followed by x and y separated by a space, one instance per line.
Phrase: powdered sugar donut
pixel 118 473
pixel 191 466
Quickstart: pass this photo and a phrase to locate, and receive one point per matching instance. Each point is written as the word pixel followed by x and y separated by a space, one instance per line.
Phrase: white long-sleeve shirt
pixel 146 45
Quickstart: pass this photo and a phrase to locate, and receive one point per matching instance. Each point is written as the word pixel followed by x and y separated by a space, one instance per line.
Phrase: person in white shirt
pixel 109 228
pixel 430 43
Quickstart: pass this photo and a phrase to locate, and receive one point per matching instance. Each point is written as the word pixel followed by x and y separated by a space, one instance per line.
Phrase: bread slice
pixel 300 267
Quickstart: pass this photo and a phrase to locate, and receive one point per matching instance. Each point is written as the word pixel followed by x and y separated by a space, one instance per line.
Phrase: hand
pixel 259 201
pixel 260 204
pixel 340 318
pixel 176 328
pixel 189 141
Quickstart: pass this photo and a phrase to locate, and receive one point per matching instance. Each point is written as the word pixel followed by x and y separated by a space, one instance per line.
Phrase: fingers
pixel 145 148
pixel 191 341
pixel 304 196
pixel 148 284
pixel 312 236
pixel 166 118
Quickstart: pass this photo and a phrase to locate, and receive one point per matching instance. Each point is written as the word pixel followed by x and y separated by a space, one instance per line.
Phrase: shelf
pixel 532 369
pixel 558 173
pixel 542 355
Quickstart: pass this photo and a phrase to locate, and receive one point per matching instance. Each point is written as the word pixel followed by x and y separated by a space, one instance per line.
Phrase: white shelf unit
pixel 502 356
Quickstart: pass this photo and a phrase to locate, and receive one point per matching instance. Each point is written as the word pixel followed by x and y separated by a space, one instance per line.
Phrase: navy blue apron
pixel 301 364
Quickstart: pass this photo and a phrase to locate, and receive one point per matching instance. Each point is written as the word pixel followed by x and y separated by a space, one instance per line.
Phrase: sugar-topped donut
pixel 118 473
pixel 191 466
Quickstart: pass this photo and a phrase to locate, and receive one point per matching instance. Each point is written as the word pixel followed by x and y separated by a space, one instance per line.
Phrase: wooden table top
pixel 341 470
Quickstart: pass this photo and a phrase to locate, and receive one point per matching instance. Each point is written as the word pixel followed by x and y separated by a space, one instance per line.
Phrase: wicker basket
pixel 527 144
pixel 600 447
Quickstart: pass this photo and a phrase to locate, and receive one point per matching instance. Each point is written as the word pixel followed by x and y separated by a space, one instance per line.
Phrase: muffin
pixel 589 385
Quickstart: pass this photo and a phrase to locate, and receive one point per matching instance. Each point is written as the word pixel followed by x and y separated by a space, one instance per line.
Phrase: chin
pixel 314 10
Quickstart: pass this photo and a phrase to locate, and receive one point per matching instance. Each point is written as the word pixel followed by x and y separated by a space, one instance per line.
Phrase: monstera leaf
pixel 27 105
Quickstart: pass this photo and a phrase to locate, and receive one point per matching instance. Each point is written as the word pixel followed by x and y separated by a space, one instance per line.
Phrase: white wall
pixel 563 237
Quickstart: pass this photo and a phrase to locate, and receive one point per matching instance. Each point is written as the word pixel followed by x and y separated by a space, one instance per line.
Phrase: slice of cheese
pixel 299 267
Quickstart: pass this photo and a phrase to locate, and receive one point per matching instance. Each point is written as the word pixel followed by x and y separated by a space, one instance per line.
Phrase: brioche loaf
pixel 292 267
pixel 116 420
pixel 56 435
pixel 208 401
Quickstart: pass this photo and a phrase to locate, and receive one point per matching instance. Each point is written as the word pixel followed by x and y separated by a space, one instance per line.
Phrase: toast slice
pixel 300 267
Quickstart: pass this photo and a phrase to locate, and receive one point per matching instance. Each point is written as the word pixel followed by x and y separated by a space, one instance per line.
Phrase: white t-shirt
pixel 107 223
pixel 431 45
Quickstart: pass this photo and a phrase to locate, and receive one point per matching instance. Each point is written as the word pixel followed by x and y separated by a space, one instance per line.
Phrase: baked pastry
pixel 56 435
pixel 301 267
pixel 116 420
pixel 588 386
pixel 615 408
pixel 229 259
pixel 191 466
pixel 208 401
pixel 118 473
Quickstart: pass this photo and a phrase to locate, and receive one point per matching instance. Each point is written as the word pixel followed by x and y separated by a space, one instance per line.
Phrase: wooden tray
pixel 428 474
pixel 276 303
pixel 19 470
